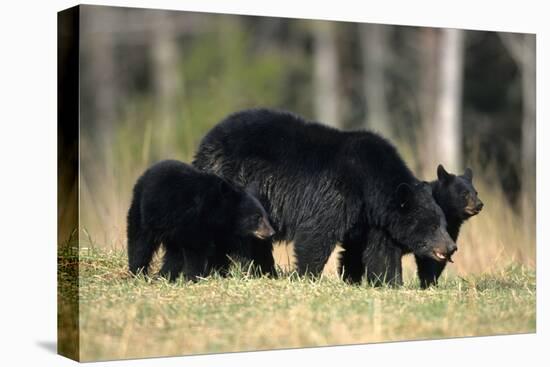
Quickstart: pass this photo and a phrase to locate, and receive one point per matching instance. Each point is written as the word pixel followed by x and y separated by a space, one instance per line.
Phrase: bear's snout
pixel 445 252
pixel 479 205
pixel 264 230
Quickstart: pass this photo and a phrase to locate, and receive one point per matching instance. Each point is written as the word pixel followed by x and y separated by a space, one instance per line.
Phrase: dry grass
pixel 490 289
pixel 126 317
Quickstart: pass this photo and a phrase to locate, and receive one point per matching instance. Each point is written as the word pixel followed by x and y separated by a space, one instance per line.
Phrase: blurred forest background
pixel 154 82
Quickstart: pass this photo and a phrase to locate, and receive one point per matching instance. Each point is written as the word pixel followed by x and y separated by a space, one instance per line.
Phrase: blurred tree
pixel 447 123
pixel 374 51
pixel 100 75
pixel 99 103
pixel 325 77
pixel 441 74
pixel 153 83
pixel 167 78
pixel 522 48
pixel 427 95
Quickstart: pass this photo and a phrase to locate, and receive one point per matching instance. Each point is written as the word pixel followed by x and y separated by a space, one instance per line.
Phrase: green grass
pixel 127 317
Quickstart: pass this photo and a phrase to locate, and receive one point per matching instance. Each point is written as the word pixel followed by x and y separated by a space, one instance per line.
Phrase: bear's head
pixel 247 215
pixel 419 223
pixel 456 194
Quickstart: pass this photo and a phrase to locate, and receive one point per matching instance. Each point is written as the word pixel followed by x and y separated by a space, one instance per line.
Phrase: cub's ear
pixel 253 189
pixel 403 193
pixel 443 175
pixel 469 174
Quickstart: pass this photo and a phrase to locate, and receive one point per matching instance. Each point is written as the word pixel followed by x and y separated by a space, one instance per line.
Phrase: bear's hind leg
pixel 174 263
pixel 262 255
pixel 350 266
pixel 140 252
pixel 196 264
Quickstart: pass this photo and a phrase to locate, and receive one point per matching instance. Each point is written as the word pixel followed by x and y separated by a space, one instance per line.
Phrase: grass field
pixel 126 317
pixel 490 289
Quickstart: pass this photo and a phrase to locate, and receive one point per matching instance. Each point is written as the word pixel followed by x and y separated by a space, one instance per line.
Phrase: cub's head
pixel 252 218
pixel 244 211
pixel 457 195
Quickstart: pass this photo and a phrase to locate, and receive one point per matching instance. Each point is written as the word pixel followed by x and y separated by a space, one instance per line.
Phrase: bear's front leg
pixel 350 266
pixel 262 256
pixel 196 264
pixel 429 271
pixel 382 260
pixel 247 252
pixel 312 251
pixel 141 249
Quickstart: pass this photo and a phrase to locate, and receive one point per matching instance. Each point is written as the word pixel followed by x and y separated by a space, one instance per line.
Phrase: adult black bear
pixel 198 217
pixel 381 256
pixel 321 186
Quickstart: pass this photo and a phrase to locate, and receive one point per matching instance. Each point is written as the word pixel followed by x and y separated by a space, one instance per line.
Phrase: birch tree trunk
pixel 167 79
pixel 374 49
pixel 99 114
pixel 325 74
pixel 97 24
pixel 427 95
pixel 448 115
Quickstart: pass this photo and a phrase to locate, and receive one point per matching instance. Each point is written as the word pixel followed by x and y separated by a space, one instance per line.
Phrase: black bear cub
pixel 458 198
pixel 198 217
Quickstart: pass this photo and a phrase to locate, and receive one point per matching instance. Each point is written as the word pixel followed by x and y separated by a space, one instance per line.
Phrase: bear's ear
pixel 253 189
pixel 469 174
pixel 403 194
pixel 442 174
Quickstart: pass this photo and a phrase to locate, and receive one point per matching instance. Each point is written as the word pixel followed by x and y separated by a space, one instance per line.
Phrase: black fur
pixel 381 257
pixel 199 218
pixel 458 198
pixel 321 186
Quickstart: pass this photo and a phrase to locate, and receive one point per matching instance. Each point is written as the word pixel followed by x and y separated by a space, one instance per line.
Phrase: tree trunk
pixel 522 48
pixel 448 122
pixel 528 137
pixel 99 111
pixel 167 79
pixel 99 51
pixel 427 94
pixel 325 74
pixel 374 40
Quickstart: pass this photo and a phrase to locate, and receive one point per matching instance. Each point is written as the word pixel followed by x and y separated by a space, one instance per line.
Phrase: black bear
pixel 198 217
pixel 381 256
pixel 458 198
pixel 321 186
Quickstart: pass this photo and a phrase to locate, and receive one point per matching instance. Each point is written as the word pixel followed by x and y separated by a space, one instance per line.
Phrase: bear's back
pixel 289 142
pixel 174 192
pixel 281 137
